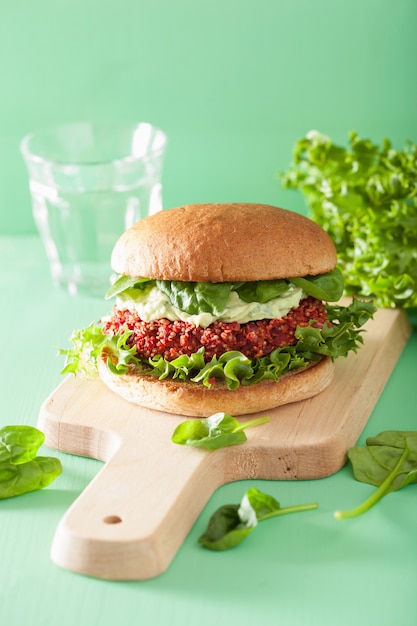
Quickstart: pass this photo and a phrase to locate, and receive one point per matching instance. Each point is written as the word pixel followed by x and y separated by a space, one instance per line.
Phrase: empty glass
pixel 88 183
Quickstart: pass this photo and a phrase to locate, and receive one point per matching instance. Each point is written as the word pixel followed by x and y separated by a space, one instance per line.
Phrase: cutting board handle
pixel 132 518
pixel 134 515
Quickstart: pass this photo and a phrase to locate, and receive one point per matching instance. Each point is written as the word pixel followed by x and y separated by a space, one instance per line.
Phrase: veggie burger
pixel 221 307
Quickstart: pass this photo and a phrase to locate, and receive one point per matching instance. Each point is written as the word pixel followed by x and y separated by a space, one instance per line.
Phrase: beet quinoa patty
pixel 253 339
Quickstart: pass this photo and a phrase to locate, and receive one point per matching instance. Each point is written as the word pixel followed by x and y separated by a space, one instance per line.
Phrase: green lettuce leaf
pixel 365 197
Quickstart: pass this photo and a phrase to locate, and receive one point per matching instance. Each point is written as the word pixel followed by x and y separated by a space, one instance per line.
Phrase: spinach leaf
pixel 365 196
pixel 265 506
pixel 19 444
pixel 194 298
pixel 214 432
pixel 388 461
pixel 232 523
pixel 261 290
pixel 123 282
pixel 327 287
pixel 20 469
pixel 197 297
pixel 38 473
pixel 225 529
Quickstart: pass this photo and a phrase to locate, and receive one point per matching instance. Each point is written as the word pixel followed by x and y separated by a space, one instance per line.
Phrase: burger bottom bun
pixel 196 400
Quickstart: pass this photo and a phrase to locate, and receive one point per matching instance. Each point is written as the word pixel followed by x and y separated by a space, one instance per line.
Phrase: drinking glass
pixel 89 182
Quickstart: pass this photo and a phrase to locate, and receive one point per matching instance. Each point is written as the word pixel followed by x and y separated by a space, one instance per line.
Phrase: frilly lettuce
pixel 365 197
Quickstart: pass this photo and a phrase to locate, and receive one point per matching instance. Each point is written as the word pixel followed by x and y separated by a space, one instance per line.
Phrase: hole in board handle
pixel 112 519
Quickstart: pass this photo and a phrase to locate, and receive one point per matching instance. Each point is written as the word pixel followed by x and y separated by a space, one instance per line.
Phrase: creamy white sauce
pixel 153 304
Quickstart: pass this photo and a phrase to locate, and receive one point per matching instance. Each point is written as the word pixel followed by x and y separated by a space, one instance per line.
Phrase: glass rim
pixel 31 155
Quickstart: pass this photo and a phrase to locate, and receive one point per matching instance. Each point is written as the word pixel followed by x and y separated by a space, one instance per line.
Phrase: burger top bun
pixel 224 242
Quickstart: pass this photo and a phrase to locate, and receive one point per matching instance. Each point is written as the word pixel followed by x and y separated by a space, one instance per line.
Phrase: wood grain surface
pixel 132 518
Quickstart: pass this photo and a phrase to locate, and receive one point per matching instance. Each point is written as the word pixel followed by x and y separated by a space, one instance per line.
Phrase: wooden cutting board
pixel 130 521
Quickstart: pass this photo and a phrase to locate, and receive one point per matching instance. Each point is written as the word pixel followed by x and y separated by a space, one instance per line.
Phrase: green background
pixel 233 83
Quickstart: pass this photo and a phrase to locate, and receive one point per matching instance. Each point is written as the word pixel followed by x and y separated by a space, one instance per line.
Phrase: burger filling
pixel 238 333
pixel 173 338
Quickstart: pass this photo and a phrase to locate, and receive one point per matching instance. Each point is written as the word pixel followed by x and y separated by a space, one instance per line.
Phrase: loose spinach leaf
pixel 232 523
pixel 19 444
pixel 266 506
pixel 214 432
pixel 263 504
pixel 20 469
pixel 225 529
pixel 388 461
pixel 365 196
pixel 38 473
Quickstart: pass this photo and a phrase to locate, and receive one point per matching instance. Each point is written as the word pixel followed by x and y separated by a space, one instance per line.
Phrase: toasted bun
pixel 224 242
pixel 196 400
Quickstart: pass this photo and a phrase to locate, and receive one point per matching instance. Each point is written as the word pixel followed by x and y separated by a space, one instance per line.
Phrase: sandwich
pixel 229 307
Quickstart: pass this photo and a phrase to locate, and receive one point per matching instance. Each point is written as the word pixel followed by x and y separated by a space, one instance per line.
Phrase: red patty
pixel 253 339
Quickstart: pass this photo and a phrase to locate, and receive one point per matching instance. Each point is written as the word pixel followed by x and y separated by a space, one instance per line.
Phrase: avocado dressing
pixel 152 304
